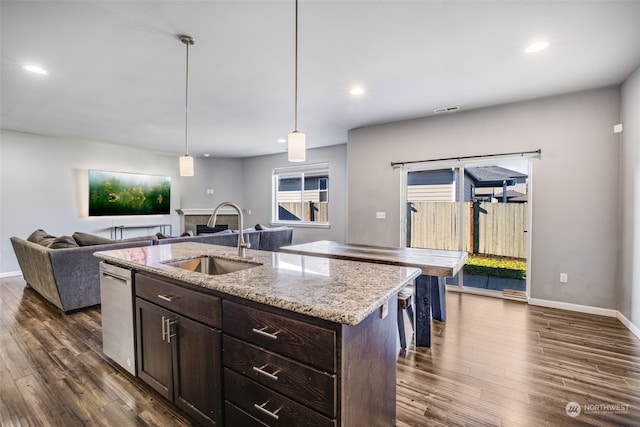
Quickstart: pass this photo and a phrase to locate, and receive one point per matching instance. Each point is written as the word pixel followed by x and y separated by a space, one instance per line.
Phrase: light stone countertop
pixel 331 289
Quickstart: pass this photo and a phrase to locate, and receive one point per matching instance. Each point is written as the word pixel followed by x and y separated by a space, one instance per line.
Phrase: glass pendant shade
pixel 297 146
pixel 186 161
pixel 186 165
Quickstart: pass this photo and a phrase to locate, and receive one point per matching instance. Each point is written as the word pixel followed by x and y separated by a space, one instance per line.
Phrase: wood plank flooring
pixel 494 362
pixel 504 363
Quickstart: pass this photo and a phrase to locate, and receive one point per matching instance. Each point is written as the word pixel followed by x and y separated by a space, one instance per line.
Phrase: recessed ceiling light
pixel 206 154
pixel 536 47
pixel 35 69
pixel 282 141
pixel 357 90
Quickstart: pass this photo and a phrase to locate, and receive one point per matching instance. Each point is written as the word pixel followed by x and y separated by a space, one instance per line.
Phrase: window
pixel 301 194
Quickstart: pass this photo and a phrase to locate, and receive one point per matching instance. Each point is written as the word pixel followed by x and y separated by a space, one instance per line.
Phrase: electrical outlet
pixel 564 278
pixel 381 215
pixel 384 310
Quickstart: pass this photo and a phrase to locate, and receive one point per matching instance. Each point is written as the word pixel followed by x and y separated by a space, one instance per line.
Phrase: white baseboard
pixel 589 310
pixel 626 322
pixel 10 274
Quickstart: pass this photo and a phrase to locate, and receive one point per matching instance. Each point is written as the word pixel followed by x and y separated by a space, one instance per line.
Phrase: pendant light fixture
pixel 296 139
pixel 186 161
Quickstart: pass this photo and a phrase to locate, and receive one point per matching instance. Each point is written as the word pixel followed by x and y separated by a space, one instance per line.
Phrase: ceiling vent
pixel 447 109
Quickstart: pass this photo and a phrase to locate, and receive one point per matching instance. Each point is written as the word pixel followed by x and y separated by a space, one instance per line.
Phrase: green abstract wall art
pixel 122 193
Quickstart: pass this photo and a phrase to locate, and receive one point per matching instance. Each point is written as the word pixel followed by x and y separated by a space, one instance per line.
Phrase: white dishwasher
pixel 116 294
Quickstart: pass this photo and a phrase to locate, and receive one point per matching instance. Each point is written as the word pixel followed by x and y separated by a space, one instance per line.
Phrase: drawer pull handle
pixel 261 370
pixel 262 409
pixel 168 297
pixel 264 333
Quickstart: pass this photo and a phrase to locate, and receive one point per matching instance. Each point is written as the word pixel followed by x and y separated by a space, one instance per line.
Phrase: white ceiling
pixel 117 68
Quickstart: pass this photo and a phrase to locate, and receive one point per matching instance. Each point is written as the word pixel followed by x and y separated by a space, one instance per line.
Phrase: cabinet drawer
pixel 302 341
pixel 267 405
pixel 195 305
pixel 234 417
pixel 306 385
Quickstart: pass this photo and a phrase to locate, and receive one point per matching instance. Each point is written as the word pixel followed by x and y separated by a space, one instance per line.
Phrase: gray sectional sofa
pixel 66 273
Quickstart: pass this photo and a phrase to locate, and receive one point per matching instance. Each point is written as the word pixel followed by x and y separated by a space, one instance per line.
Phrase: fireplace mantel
pixel 225 210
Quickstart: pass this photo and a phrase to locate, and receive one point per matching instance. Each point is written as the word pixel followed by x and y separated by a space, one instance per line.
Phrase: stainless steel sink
pixel 212 265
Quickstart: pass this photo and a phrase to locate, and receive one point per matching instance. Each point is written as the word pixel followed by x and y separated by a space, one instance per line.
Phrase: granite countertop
pixel 331 289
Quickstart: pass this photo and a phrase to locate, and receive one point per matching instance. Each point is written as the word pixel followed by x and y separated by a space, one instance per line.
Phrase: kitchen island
pixel 283 340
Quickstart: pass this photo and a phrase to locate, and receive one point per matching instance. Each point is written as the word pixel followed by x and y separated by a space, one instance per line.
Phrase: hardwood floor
pixel 53 372
pixel 494 362
pixel 504 363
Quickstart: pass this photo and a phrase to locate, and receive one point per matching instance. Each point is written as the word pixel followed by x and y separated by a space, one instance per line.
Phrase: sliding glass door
pixel 480 207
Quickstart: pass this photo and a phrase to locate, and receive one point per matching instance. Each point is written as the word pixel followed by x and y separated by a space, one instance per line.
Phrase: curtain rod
pixel 484 156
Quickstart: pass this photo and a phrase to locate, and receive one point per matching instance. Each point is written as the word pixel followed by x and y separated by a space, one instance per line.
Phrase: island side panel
pixel 368 387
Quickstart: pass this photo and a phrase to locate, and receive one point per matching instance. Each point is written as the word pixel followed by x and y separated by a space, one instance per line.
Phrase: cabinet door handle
pixel 261 370
pixel 164 328
pixel 168 297
pixel 264 333
pixel 262 409
pixel 169 324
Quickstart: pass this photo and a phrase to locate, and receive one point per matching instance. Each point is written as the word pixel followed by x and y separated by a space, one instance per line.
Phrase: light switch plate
pixel 381 215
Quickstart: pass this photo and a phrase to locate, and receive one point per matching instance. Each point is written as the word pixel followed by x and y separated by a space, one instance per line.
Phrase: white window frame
pixel 297 171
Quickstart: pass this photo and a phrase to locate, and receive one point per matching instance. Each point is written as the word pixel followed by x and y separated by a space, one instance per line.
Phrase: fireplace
pixel 203 229
pixel 192 218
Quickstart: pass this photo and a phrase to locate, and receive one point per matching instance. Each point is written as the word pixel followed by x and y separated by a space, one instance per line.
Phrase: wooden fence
pixel 321 215
pixel 499 228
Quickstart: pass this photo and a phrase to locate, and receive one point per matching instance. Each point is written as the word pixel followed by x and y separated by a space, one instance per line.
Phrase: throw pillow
pixel 62 242
pixel 86 239
pixel 41 237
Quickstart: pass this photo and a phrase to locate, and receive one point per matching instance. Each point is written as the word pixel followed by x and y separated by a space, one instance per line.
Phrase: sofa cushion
pixel 63 242
pixel 263 227
pixel 87 239
pixel 151 237
pixel 41 237
pixel 274 238
pixel 164 236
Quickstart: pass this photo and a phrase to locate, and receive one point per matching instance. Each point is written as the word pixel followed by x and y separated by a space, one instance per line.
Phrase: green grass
pixel 497 267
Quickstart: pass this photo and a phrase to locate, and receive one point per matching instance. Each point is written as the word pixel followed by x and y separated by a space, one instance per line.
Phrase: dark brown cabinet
pixel 231 362
pixel 178 356
pixel 279 370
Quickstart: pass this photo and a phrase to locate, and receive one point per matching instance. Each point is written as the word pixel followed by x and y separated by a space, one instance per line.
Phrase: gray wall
pixel 258 187
pixel 629 293
pixel 575 184
pixel 223 176
pixel 44 184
